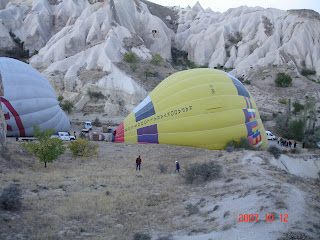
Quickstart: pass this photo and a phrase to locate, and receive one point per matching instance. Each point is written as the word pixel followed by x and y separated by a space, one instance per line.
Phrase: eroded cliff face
pixel 79 45
pixel 244 38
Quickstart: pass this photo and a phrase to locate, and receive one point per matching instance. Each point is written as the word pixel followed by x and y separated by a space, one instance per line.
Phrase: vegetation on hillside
pixel 283 80
pixel 301 127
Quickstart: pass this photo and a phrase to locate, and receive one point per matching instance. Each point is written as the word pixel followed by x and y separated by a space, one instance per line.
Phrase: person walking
pixel 138 163
pixel 177 167
pixel 75 135
pixel 294 144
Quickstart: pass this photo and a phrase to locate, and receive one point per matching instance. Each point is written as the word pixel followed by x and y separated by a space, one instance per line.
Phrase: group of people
pixel 286 143
pixel 138 165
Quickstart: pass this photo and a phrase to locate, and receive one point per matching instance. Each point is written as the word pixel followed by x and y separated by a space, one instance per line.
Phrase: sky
pixel 224 5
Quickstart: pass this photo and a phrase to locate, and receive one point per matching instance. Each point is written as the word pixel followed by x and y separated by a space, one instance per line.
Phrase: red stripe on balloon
pixel 16 116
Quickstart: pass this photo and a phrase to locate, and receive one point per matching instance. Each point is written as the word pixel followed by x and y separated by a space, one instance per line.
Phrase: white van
pixel 88 125
pixel 270 136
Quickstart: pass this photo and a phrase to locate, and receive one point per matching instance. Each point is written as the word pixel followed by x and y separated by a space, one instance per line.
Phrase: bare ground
pixel 104 197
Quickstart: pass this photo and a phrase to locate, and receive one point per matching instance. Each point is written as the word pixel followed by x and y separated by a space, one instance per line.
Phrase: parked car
pixel 270 135
pixel 64 136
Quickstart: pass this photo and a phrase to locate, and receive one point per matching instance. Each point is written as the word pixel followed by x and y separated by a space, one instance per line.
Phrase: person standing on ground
pixel 294 144
pixel 75 135
pixel 177 167
pixel 138 163
pixel 278 140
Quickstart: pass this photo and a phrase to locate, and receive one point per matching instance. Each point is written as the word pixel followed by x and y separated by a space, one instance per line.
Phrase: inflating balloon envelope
pixel 200 107
pixel 28 100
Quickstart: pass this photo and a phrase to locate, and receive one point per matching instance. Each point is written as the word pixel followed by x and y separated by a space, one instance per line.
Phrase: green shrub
pixel 10 198
pixel 67 106
pixel 244 143
pixel 191 64
pixel 247 82
pixel 82 147
pixel 60 98
pixel 282 100
pixel 130 57
pixel 156 59
pixel 297 107
pixel 133 67
pixel 275 151
pixel 283 80
pixel 263 118
pixel 47 149
pixel 305 72
pixel 202 172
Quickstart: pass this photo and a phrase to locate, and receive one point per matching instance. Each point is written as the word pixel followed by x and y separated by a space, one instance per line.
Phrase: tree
pixel 97 122
pixel 297 129
pixel 67 106
pixel 147 72
pixel 283 80
pixel 47 149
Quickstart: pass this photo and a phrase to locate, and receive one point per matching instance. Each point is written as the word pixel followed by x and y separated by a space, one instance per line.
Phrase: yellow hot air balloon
pixel 204 108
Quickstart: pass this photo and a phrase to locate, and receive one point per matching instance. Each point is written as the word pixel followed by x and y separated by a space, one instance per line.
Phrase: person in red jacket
pixel 138 163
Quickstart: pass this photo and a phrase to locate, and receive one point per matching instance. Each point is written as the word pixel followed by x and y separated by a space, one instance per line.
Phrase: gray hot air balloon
pixel 28 100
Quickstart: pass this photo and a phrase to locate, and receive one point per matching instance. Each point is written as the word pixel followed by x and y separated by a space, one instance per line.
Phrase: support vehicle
pixel 64 136
pixel 270 135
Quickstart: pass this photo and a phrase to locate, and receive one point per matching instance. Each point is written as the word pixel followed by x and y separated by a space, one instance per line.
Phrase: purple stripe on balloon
pixel 148 134
pixel 147 130
pixel 247 115
pixel 148 138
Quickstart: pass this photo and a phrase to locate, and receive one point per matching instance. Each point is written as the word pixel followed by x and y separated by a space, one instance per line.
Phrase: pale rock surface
pixel 78 39
pixel 247 37
pixel 6 41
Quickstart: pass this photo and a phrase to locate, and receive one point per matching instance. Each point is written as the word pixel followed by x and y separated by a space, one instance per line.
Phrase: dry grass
pixel 102 195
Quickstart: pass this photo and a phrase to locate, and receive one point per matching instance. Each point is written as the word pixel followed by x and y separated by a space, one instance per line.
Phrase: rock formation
pixel 79 45
pixel 245 37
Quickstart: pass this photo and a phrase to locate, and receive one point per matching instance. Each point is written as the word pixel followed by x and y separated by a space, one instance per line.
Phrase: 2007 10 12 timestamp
pixel 254 217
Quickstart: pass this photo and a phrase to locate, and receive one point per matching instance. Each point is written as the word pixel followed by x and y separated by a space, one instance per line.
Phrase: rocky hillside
pixel 80 46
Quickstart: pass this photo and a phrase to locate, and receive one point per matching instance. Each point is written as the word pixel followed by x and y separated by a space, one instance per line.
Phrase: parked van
pixel 270 136
pixel 88 125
